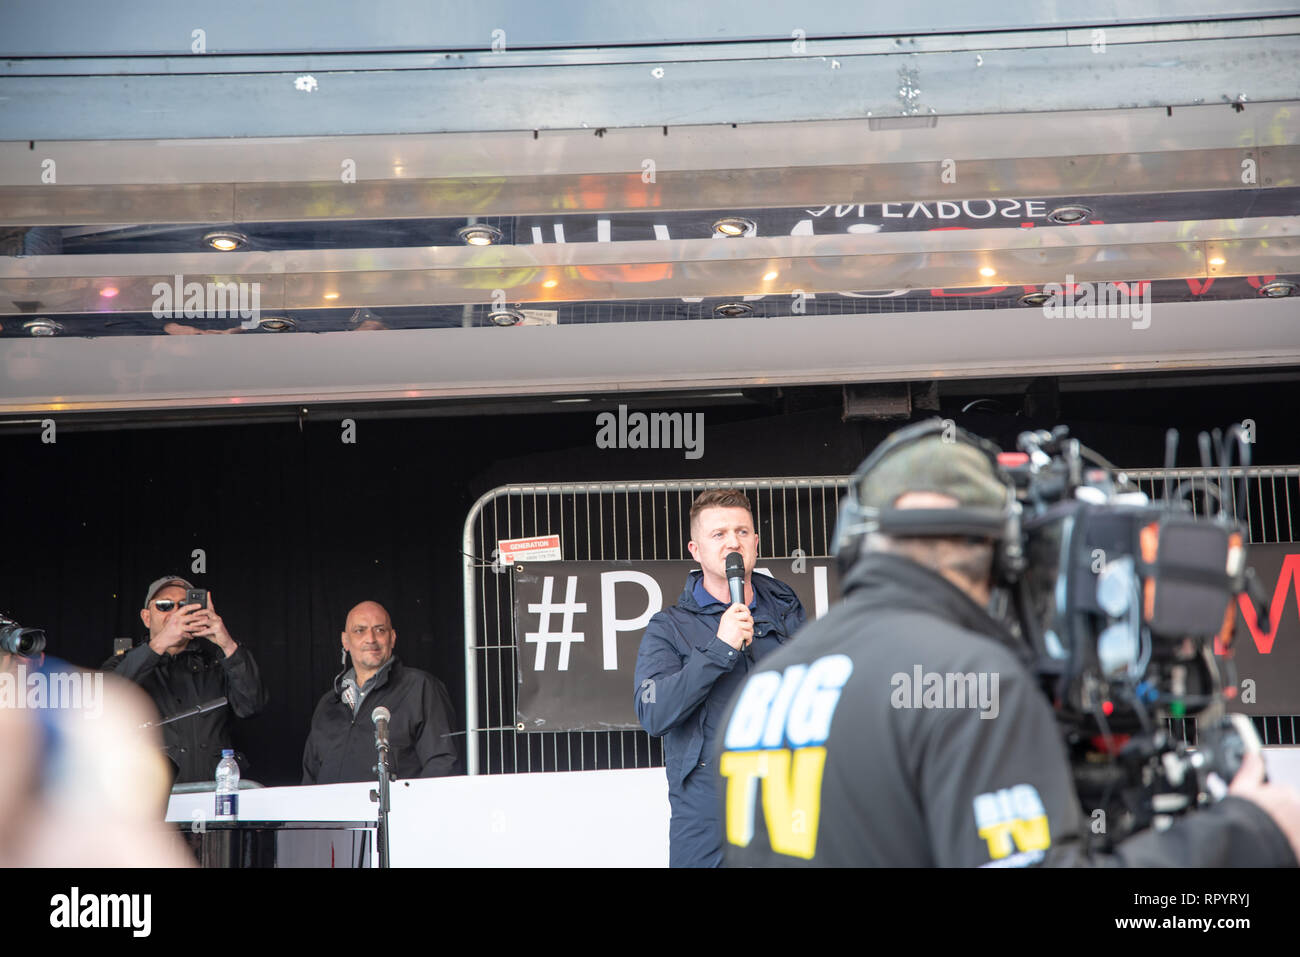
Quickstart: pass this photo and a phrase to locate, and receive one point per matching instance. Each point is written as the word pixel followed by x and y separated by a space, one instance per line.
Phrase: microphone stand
pixel 203 708
pixel 383 797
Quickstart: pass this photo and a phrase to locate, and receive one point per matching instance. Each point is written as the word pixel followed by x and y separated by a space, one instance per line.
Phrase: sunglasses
pixel 167 604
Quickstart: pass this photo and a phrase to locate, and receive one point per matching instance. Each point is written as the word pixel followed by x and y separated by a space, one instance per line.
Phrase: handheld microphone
pixel 380 717
pixel 736 577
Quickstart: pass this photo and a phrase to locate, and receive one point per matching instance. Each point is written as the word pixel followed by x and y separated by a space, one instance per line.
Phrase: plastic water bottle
pixel 227 787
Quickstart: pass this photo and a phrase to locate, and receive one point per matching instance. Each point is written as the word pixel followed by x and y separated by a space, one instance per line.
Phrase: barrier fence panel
pixel 647 521
pixel 621 521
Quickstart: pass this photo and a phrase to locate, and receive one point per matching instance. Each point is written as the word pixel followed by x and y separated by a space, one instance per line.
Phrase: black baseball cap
pixel 162 583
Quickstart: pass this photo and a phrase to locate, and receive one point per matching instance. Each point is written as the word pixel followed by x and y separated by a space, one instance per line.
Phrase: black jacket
pixel 868 766
pixel 341 745
pixel 177 682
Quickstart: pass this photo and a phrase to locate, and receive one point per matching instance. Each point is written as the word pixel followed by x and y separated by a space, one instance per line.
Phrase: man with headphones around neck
pixel 341 744
pixel 905 728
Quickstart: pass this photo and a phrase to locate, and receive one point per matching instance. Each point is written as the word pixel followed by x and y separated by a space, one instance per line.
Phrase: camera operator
pixel 905 727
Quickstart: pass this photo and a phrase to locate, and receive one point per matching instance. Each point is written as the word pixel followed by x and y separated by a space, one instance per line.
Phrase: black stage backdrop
pixel 297 526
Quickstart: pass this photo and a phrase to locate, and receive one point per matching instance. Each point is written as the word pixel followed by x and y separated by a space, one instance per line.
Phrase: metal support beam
pixel 688 91
pixel 169 372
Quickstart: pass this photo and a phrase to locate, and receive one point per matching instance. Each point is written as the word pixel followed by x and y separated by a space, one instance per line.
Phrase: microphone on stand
pixel 381 716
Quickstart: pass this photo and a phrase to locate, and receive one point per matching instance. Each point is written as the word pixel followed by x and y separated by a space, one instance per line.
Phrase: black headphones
pixel 856 520
pixel 338 678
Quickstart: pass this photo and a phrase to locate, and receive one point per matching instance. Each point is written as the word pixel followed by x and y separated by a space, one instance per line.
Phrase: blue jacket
pixel 685 677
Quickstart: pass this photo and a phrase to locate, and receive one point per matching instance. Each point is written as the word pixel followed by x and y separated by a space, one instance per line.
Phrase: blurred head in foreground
pixel 80 784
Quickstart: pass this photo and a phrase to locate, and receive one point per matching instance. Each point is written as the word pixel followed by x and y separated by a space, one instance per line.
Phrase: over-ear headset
pixel 1002 526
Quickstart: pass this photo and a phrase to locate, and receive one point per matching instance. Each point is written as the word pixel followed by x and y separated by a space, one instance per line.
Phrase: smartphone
pixel 196 596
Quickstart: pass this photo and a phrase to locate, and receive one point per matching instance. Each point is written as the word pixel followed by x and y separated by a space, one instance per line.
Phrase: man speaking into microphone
pixel 696 654
pixel 414 707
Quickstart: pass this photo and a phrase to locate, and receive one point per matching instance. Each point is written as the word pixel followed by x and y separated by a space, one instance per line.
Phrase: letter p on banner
pixel 611 625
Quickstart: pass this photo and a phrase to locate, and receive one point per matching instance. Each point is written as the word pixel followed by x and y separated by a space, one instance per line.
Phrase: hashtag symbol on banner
pixel 566 635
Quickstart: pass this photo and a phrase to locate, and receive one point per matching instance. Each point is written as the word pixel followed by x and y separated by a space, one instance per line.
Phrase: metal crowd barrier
pixel 604 521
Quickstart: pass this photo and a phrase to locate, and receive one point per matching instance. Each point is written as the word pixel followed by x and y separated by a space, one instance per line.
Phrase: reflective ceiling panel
pixel 898 179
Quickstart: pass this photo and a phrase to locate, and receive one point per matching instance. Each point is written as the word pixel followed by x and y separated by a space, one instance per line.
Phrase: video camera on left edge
pixel 17 640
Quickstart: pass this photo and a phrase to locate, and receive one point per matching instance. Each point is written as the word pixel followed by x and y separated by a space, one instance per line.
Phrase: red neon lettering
pixel 1264 641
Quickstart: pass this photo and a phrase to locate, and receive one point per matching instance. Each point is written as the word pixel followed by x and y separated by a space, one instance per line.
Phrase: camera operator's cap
pixel 163 583
pixel 933 464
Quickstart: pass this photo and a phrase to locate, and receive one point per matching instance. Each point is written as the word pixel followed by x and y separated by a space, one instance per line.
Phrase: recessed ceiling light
pixel 1217 261
pixel 108 292
pixel 331 295
pixel 733 310
pixel 1034 298
pixel 551 283
pixel 1065 215
pixel 277 323
pixel 733 226
pixel 479 234
pixel 506 317
pixel 225 240
pixel 42 327
pixel 769 276
pixel 988 271
pixel 1279 289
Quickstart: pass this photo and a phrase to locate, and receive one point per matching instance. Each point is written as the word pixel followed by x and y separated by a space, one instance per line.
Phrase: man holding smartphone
pixel 189 659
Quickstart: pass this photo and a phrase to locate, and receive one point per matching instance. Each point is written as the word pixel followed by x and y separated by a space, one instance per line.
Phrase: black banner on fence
pixel 578 626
